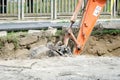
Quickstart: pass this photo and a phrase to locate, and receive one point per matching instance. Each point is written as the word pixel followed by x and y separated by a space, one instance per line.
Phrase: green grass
pixel 97 32
pixel 59 32
pixel 11 38
pixel 102 32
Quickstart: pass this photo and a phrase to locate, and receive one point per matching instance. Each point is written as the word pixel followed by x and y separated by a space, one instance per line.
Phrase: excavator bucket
pixel 91 14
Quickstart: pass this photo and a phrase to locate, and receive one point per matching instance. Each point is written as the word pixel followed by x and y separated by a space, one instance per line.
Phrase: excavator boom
pixel 91 14
pixel 89 18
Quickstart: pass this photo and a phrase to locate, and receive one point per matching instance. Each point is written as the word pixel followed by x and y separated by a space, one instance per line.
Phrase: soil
pixel 15 63
pixel 97 45
pixel 103 45
pixel 61 68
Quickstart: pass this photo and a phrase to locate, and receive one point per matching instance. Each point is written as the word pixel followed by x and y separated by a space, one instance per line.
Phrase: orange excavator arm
pixel 90 16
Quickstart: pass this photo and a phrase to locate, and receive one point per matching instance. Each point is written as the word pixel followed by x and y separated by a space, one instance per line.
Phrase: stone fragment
pixel 33 31
pixel 51 31
pixel 28 40
pixel 3 33
pixel 39 52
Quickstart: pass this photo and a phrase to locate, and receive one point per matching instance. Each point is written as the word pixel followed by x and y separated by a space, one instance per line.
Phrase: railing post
pixel 3 7
pixel 19 1
pixel 52 10
pixel 113 8
pixel 22 9
pixel 55 9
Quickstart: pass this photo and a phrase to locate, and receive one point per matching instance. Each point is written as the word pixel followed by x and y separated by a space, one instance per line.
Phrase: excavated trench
pixel 19 46
pixel 105 45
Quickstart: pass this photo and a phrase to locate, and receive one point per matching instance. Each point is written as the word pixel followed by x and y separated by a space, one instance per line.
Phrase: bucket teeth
pixel 59 49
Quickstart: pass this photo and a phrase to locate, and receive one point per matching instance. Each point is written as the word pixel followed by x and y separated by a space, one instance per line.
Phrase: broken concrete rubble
pixel 51 31
pixel 3 33
pixel 39 52
pixel 28 40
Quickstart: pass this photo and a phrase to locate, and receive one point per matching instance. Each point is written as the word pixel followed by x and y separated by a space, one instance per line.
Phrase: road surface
pixel 61 68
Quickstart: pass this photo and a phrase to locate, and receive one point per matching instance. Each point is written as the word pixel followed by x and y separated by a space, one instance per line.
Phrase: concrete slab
pixel 26 25
pixel 33 31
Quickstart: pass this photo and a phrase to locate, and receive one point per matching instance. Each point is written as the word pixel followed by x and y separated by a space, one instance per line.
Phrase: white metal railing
pixel 37 8
pixel 52 9
pixel 9 8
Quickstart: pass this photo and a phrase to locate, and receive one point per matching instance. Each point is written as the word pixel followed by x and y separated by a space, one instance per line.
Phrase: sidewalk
pixel 25 25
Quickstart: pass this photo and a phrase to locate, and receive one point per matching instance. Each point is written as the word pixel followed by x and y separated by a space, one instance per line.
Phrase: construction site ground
pixel 62 68
pixel 100 59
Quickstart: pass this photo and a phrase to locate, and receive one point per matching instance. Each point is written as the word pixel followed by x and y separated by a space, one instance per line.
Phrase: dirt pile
pixel 19 46
pixel 105 45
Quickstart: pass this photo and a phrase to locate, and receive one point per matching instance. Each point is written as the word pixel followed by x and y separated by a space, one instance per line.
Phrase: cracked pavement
pixel 61 68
